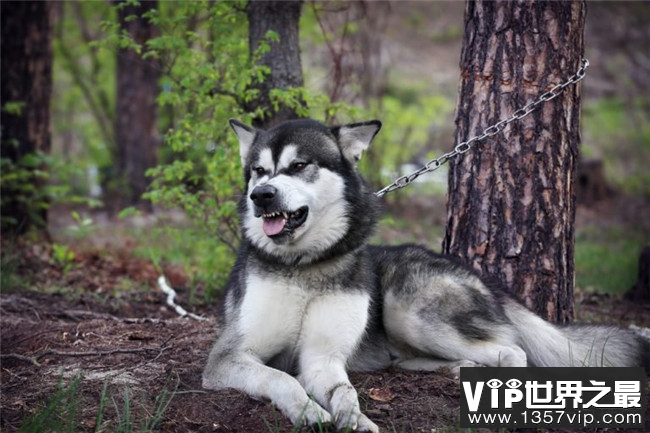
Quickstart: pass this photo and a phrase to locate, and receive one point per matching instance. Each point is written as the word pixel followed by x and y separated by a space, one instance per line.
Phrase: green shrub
pixel 615 132
pixel 606 259
pixel 406 134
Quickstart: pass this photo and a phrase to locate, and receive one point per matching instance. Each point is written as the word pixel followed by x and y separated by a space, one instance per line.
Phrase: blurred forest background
pixel 162 183
pixel 140 177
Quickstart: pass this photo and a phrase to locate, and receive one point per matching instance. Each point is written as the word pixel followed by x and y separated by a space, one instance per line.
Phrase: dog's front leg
pixel 242 371
pixel 332 330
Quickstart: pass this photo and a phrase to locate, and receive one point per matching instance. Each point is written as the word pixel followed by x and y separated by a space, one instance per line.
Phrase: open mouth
pixel 277 224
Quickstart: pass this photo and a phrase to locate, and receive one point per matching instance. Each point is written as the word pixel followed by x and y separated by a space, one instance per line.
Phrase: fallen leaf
pixel 383 395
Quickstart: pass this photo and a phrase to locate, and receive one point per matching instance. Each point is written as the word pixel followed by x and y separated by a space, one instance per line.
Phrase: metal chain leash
pixel 490 131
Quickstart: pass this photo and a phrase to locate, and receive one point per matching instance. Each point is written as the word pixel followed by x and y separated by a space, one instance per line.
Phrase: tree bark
pixel 283 59
pixel 511 203
pixel 26 68
pixel 136 128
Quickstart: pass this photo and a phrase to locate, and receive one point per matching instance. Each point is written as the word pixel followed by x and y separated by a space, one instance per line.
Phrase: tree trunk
pixel 591 183
pixel 136 128
pixel 283 59
pixel 640 292
pixel 511 203
pixel 26 68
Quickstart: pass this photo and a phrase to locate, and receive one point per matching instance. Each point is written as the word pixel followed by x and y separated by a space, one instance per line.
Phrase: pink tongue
pixel 273 226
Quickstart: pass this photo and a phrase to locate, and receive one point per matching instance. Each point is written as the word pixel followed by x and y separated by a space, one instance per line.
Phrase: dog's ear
pixel 246 135
pixel 356 137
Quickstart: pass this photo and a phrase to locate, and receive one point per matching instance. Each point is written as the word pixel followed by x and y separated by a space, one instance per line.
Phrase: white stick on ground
pixel 641 332
pixel 171 294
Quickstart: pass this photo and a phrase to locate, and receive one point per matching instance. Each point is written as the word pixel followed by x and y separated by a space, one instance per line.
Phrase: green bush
pixel 606 260
pixel 617 132
pixel 23 187
pixel 406 134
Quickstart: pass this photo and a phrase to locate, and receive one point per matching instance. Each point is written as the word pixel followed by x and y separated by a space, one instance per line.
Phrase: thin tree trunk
pixel 26 52
pixel 511 204
pixel 88 82
pixel 640 292
pixel 136 128
pixel 283 59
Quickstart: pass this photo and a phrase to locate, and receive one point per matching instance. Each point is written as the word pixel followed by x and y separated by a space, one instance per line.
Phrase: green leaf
pixel 14 107
pixel 129 211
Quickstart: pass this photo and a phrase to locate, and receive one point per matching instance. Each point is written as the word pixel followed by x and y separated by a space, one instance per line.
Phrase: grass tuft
pixel 60 412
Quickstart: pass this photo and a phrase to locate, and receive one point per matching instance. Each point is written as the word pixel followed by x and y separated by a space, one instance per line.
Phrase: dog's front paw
pixel 356 422
pixel 311 414
pixel 455 370
pixel 347 414
pixel 365 425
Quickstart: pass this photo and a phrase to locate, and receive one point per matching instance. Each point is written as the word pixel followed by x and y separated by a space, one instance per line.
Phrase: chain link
pixel 490 131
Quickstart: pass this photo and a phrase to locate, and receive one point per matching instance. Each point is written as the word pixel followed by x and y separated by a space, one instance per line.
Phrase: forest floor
pixel 90 343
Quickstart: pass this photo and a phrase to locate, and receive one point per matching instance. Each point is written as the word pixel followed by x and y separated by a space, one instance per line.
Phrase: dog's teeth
pixel 276 215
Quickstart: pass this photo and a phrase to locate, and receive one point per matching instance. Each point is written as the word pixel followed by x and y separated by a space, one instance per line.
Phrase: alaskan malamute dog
pixel 308 299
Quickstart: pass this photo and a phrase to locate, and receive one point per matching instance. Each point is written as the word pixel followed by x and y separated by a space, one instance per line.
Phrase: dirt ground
pixel 133 340
pixel 91 324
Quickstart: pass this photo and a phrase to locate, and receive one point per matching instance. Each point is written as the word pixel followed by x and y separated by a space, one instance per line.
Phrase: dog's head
pixel 301 185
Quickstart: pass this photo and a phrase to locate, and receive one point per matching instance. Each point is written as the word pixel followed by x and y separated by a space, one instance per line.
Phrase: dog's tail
pixel 548 345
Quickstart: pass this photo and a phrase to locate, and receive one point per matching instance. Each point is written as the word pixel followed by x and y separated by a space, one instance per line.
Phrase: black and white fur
pixel 308 299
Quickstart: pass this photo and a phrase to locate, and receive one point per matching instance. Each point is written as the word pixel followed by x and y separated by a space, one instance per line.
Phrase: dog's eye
pixel 259 171
pixel 298 166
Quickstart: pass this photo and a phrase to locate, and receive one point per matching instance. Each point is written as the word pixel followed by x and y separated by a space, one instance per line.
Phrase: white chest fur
pixel 271 315
pixel 278 315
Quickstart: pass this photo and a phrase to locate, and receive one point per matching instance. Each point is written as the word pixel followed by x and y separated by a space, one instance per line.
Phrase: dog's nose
pixel 263 195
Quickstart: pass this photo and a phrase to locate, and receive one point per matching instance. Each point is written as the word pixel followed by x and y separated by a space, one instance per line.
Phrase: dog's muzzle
pixel 278 223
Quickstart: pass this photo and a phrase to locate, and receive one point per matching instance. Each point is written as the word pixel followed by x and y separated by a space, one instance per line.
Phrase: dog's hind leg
pixel 456 350
pixel 424 332
pixel 429 364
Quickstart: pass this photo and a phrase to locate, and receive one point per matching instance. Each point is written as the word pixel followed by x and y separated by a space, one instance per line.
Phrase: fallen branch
pixel 162 349
pixel 640 331
pixel 35 359
pixel 20 357
pixel 171 294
